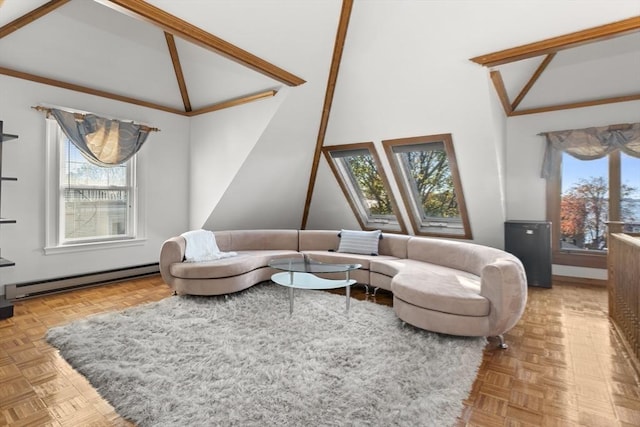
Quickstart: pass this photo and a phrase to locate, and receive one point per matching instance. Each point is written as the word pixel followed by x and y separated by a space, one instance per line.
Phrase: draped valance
pixel 102 141
pixel 590 143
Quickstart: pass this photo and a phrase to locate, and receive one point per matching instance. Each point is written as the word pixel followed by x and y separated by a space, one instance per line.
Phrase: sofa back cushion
pixel 393 245
pixel 464 256
pixel 256 240
pixel 324 240
pixel 318 240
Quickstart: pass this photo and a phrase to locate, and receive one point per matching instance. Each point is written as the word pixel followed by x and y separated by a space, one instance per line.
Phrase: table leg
pixel 291 293
pixel 291 300
pixel 348 292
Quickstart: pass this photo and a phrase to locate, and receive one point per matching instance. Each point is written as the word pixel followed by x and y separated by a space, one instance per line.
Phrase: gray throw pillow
pixel 359 242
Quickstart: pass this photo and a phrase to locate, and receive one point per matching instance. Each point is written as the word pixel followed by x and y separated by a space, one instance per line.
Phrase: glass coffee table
pixel 300 273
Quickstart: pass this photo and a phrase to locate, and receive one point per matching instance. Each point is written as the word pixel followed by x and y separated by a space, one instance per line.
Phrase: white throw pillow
pixel 359 242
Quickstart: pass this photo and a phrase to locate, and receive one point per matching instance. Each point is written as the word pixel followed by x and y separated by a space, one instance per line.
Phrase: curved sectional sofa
pixel 444 286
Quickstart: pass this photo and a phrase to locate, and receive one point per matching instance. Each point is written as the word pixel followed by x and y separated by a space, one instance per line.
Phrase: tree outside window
pixel 364 184
pixel 426 171
pixel 591 193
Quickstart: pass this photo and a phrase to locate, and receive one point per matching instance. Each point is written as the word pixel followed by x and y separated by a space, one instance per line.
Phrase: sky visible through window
pixel 83 173
pixel 574 169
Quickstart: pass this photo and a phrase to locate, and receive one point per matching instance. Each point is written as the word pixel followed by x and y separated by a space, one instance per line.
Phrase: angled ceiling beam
pixel 581 104
pixel 556 44
pixel 338 47
pixel 28 18
pixel 183 29
pixel 498 83
pixel 87 90
pixel 536 75
pixel 175 59
pixel 232 102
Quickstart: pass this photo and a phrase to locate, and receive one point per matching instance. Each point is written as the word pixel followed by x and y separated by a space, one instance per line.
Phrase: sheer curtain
pixel 590 143
pixel 103 142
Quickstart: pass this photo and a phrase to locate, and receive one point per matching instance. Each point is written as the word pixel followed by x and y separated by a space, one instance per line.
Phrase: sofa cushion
pixel 345 258
pixel 255 240
pixel 318 240
pixel 392 266
pixel 244 262
pixel 441 289
pixel 469 257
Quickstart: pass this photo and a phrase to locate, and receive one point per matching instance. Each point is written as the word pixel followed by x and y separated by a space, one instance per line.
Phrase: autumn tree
pixel 366 175
pixel 434 183
pixel 573 213
pixel 584 211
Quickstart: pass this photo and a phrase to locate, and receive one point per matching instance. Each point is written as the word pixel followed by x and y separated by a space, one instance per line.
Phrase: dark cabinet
pixel 530 241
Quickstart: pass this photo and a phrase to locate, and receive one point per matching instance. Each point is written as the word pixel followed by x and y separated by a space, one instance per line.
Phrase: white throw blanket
pixel 201 246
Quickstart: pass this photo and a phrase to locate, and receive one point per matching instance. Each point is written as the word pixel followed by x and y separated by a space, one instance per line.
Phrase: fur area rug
pixel 244 361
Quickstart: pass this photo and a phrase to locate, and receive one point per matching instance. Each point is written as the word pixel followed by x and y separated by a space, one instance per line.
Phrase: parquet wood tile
pixel 565 365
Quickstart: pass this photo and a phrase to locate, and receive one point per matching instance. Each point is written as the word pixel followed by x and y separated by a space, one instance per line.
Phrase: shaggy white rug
pixel 196 361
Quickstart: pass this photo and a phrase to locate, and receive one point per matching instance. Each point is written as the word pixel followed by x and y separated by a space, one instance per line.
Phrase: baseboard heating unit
pixel 62 284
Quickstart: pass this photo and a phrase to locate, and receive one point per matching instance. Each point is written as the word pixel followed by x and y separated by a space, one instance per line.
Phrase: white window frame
pixel 54 227
pixel 335 157
pixel 458 228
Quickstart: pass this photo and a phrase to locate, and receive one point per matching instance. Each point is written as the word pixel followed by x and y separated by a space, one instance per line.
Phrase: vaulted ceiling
pixel 136 52
pixel 594 66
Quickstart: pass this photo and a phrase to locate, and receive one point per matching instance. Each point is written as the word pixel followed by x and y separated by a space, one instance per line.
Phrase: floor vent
pixel 62 284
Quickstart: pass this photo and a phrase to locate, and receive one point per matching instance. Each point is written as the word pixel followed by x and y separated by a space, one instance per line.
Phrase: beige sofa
pixel 445 286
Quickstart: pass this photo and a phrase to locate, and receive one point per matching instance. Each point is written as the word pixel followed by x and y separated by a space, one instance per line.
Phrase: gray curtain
pixel 590 143
pixel 103 142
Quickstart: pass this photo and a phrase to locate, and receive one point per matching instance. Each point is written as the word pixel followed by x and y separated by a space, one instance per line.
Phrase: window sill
pixel 596 260
pixel 83 247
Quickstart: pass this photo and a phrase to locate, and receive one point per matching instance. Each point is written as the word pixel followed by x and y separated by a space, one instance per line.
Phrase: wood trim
pixel 144 11
pixel 560 257
pixel 498 83
pixel 615 186
pixel 232 103
pixel 28 18
pixel 175 59
pixel 553 189
pixel 447 140
pixel 624 293
pixel 578 280
pixel 338 47
pixel 582 259
pixel 536 75
pixel 581 104
pixel 555 44
pixel 383 176
pixel 78 88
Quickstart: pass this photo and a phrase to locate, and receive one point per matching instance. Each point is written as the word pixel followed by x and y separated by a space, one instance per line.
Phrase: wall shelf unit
pixel 6 308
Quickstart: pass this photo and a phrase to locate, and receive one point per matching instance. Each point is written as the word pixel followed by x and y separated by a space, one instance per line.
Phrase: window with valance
pixel 92 188
pixel 593 177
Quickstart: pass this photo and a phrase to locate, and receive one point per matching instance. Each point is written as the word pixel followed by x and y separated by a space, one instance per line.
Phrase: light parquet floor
pixel 565 365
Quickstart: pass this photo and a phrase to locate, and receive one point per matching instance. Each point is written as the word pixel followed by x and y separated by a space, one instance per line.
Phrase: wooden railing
pixel 624 288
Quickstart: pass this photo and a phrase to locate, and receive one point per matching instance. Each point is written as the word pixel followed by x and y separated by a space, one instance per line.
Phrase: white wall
pixel 163 180
pixel 269 189
pixel 398 80
pixel 220 144
pixel 525 151
pixel 406 72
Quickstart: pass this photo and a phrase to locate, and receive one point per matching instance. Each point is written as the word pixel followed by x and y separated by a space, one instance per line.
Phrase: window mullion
pixel 614 186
